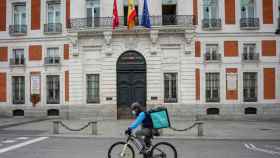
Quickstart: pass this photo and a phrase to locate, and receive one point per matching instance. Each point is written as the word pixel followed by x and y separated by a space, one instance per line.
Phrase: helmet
pixel 136 106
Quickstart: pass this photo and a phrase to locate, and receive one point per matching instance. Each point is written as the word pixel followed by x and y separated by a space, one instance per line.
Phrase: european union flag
pixel 145 16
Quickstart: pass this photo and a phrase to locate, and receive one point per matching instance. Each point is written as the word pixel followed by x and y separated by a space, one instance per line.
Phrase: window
pixel 18 89
pixel 250 86
pixel 52 56
pixel 53 17
pixel 210 9
pixel 125 9
pixel 212 87
pixel 93 88
pixel 247 8
pixel 53 89
pixel 249 52
pixel 170 87
pixel 93 12
pixel 19 18
pixel 169 8
pixel 17 57
pixel 212 52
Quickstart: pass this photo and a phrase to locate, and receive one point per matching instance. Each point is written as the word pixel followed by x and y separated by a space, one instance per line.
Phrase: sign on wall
pixel 35 84
pixel 231 81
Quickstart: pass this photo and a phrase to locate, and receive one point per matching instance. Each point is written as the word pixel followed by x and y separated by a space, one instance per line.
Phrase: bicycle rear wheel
pixel 163 150
pixel 116 149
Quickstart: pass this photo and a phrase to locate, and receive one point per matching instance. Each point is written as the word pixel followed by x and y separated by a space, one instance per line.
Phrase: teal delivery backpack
pixel 160 118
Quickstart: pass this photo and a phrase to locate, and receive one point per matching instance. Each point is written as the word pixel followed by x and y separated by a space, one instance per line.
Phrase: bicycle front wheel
pixel 121 150
pixel 163 150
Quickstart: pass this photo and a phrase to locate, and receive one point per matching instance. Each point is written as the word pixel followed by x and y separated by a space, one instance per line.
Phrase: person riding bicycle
pixel 142 118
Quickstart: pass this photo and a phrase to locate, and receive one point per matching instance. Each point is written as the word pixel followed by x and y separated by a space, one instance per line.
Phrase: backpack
pixel 159 117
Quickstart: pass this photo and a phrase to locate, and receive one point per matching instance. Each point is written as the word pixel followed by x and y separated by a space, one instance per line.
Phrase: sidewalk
pixel 16 121
pixel 216 130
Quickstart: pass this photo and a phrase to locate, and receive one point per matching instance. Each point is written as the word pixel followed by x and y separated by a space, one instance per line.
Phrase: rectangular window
pixel 18 89
pixel 210 9
pixel 212 52
pixel 52 56
pixel 93 12
pixel 17 57
pixel 248 9
pixel 169 12
pixel 170 87
pixel 54 15
pixel 93 88
pixel 53 89
pixel 249 51
pixel 250 87
pixel 212 87
pixel 19 17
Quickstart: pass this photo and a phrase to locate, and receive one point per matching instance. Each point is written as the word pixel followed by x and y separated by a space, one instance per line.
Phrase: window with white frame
pixel 250 88
pixel 52 56
pixel 53 89
pixel 248 9
pixel 170 87
pixel 53 17
pixel 18 90
pixel 17 57
pixel 93 12
pixel 212 52
pixel 249 51
pixel 169 12
pixel 93 88
pixel 19 18
pixel 210 9
pixel 212 87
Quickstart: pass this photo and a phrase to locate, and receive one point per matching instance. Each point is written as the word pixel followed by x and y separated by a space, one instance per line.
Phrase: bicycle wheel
pixel 163 150
pixel 116 149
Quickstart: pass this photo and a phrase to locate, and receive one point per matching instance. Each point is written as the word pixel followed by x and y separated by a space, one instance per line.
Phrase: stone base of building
pixel 176 111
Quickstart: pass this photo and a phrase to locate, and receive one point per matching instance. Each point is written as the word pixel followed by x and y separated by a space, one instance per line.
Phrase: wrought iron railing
pixel 103 22
pixel 52 60
pixel 249 23
pixel 17 61
pixel 53 100
pixel 250 56
pixel 18 29
pixel 212 57
pixel 212 24
pixel 53 28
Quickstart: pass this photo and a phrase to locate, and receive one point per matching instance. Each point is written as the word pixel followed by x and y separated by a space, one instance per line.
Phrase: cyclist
pixel 142 118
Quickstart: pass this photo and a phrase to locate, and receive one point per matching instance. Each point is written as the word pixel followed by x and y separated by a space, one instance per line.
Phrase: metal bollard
pixel 199 129
pixel 55 127
pixel 94 128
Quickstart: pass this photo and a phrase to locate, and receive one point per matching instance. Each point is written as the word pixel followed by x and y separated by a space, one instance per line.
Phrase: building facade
pixel 206 58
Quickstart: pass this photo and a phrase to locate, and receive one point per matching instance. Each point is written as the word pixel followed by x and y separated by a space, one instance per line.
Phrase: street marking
pixel 22 144
pixel 22 138
pixel 8 141
pixel 254 148
pixel 273 147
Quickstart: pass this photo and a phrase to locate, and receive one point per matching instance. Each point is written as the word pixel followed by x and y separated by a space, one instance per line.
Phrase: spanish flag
pixel 131 15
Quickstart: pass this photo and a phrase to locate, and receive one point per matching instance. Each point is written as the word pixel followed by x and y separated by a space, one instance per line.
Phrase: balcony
pixel 101 23
pixel 212 57
pixel 278 27
pixel 52 60
pixel 18 30
pixel 211 24
pixel 250 57
pixel 17 61
pixel 53 28
pixel 249 23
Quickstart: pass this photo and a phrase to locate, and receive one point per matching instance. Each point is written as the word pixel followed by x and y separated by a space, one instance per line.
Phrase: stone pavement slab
pixel 16 121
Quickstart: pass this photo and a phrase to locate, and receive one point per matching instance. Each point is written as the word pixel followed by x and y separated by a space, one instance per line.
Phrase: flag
pixel 131 15
pixel 116 20
pixel 146 17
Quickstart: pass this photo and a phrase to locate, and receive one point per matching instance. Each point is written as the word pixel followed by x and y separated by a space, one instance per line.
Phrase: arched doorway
pixel 131 82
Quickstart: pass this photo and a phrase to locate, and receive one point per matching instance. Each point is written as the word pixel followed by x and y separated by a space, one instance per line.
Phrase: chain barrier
pixel 79 129
pixel 186 129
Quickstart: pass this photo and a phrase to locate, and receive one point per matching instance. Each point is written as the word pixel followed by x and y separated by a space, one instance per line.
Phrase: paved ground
pixel 236 130
pixel 54 147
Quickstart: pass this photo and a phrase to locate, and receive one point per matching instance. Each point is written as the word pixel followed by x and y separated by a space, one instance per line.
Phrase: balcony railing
pixel 252 56
pixel 249 23
pixel 106 22
pixel 17 61
pixel 212 57
pixel 17 30
pixel 52 60
pixel 211 24
pixel 53 28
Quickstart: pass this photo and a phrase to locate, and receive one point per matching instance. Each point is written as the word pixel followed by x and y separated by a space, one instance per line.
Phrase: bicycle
pixel 125 149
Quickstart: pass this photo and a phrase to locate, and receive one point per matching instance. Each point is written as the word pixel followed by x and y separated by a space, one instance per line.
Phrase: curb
pixel 7 125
